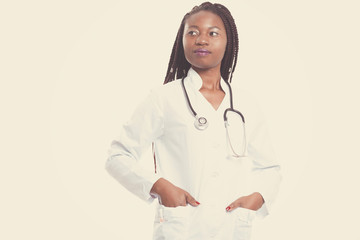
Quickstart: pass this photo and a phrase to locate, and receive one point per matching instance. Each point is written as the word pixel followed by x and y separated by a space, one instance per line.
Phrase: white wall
pixel 72 71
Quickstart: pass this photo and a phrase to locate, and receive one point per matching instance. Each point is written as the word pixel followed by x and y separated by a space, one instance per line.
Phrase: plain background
pixel 72 71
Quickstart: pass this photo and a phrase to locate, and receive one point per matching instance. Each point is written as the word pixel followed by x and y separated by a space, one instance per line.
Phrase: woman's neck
pixel 210 78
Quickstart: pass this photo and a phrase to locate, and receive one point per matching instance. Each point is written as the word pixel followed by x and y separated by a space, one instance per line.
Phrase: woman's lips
pixel 202 52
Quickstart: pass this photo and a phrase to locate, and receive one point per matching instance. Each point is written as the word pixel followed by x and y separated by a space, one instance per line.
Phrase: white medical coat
pixel 197 161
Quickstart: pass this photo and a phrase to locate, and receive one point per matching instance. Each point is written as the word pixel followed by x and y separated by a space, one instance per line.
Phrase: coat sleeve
pixel 266 175
pixel 136 136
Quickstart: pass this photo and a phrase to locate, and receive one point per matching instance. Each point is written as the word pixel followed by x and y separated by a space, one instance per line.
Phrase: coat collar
pixel 196 82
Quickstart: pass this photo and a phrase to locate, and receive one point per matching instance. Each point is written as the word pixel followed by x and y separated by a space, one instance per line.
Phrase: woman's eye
pixel 214 34
pixel 192 33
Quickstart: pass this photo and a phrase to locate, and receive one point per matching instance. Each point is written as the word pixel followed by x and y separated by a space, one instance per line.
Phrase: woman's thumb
pixel 190 200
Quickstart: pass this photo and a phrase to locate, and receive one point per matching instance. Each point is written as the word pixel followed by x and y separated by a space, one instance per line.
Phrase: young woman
pixel 212 175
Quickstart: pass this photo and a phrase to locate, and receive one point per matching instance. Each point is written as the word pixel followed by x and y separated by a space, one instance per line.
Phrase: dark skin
pixel 204 30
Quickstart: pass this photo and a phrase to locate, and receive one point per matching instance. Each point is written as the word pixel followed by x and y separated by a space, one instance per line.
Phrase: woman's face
pixel 204 40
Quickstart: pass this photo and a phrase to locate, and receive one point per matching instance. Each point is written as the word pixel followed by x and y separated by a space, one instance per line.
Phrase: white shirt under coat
pixel 197 161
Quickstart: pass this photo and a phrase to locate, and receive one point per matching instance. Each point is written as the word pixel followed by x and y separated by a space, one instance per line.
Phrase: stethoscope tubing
pixel 201 123
pixel 187 97
pixel 225 112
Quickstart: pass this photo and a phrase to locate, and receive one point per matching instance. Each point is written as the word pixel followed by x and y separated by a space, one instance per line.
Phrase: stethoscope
pixel 201 123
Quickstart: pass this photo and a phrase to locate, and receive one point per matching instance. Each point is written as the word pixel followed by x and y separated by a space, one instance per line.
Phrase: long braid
pixel 231 53
pixel 179 66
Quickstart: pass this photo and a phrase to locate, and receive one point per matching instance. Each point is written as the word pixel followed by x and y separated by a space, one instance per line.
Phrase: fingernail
pixel 228 208
pixel 197 203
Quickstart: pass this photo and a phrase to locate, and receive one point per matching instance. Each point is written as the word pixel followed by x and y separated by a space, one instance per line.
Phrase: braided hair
pixel 179 66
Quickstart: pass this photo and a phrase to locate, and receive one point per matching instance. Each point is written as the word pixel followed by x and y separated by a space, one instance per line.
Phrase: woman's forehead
pixel 204 19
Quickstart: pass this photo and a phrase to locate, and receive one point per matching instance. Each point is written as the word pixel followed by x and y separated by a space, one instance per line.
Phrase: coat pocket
pixel 171 223
pixel 243 223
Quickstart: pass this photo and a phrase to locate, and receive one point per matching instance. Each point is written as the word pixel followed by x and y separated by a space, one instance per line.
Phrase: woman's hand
pixel 253 202
pixel 171 196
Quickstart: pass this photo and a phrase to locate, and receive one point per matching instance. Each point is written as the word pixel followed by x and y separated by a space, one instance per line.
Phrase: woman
pixel 202 178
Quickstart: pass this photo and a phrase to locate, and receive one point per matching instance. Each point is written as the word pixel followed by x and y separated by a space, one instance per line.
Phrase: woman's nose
pixel 201 40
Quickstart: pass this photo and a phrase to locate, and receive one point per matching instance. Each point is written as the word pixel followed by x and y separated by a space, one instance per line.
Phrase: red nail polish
pixel 197 203
pixel 228 208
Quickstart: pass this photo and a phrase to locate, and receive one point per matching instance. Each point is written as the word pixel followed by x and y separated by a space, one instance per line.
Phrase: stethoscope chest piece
pixel 201 123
